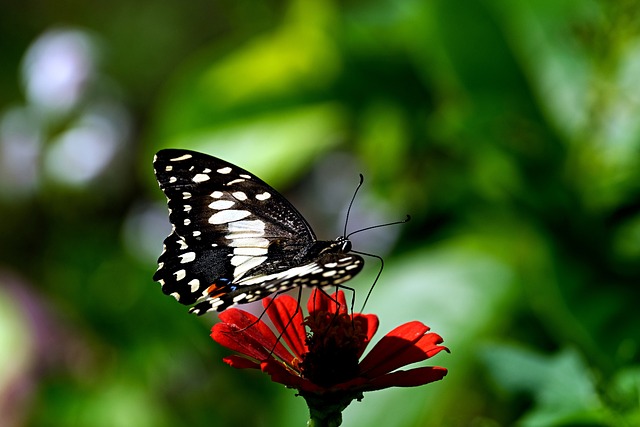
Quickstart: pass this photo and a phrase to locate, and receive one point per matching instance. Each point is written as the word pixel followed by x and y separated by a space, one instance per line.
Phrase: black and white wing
pixel 235 239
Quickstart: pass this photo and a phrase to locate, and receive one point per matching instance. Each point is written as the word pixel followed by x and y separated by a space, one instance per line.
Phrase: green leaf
pixel 562 386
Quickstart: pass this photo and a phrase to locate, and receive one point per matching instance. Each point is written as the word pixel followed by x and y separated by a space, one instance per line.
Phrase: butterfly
pixel 235 239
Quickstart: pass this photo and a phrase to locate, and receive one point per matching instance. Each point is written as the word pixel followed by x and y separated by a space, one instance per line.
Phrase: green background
pixel 508 130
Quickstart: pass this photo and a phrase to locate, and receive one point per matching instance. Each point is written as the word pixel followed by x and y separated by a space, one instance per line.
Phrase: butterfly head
pixel 341 245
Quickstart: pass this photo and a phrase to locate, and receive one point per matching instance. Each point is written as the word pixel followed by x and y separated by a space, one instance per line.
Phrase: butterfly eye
pixel 342 244
pixel 345 246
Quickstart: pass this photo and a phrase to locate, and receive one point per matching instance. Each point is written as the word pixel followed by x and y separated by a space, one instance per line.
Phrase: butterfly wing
pixel 331 269
pixel 228 226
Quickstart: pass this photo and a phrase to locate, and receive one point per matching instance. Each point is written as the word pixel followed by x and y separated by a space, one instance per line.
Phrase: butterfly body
pixel 235 239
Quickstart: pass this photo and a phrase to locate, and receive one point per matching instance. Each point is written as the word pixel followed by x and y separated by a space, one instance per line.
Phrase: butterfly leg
pixel 275 295
pixel 338 304
pixel 284 328
pixel 290 318
pixel 353 297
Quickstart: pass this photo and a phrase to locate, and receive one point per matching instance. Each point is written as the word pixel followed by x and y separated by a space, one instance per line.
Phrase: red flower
pixel 325 365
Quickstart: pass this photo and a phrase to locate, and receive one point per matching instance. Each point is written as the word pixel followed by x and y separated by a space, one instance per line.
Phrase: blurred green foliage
pixel 508 130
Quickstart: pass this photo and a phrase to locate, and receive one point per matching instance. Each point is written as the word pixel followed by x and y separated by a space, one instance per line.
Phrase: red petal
pixel 237 317
pixel 408 343
pixel 286 315
pixel 410 378
pixel 370 323
pixel 231 337
pixel 280 374
pixel 242 332
pixel 428 344
pixel 240 362
pixel 339 303
pixel 321 301
pixel 318 301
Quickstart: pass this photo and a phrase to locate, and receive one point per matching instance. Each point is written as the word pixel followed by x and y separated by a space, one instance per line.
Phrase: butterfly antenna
pixel 346 221
pixel 404 221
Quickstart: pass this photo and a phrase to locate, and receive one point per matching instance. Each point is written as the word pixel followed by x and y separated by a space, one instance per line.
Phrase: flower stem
pixel 325 410
pixel 332 422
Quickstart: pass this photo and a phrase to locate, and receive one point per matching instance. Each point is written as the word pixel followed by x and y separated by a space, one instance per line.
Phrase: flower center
pixel 333 341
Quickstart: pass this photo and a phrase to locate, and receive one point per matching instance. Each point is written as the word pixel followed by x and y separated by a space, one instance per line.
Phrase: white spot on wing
pixel 180 274
pixel 222 204
pixel 187 257
pixel 263 196
pixel 341 279
pixel 168 168
pixel 224 170
pixel 186 195
pixel 195 284
pixel 184 157
pixel 245 229
pixel 176 296
pixel 245 176
pixel 228 215
pixel 303 270
pixel 249 242
pixel 217 194
pixel 236 181
pixel 201 177
pixel 172 179
pixel 239 195
pixel 239 259
pixel 251 251
pixel 245 263
pixel 239 298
